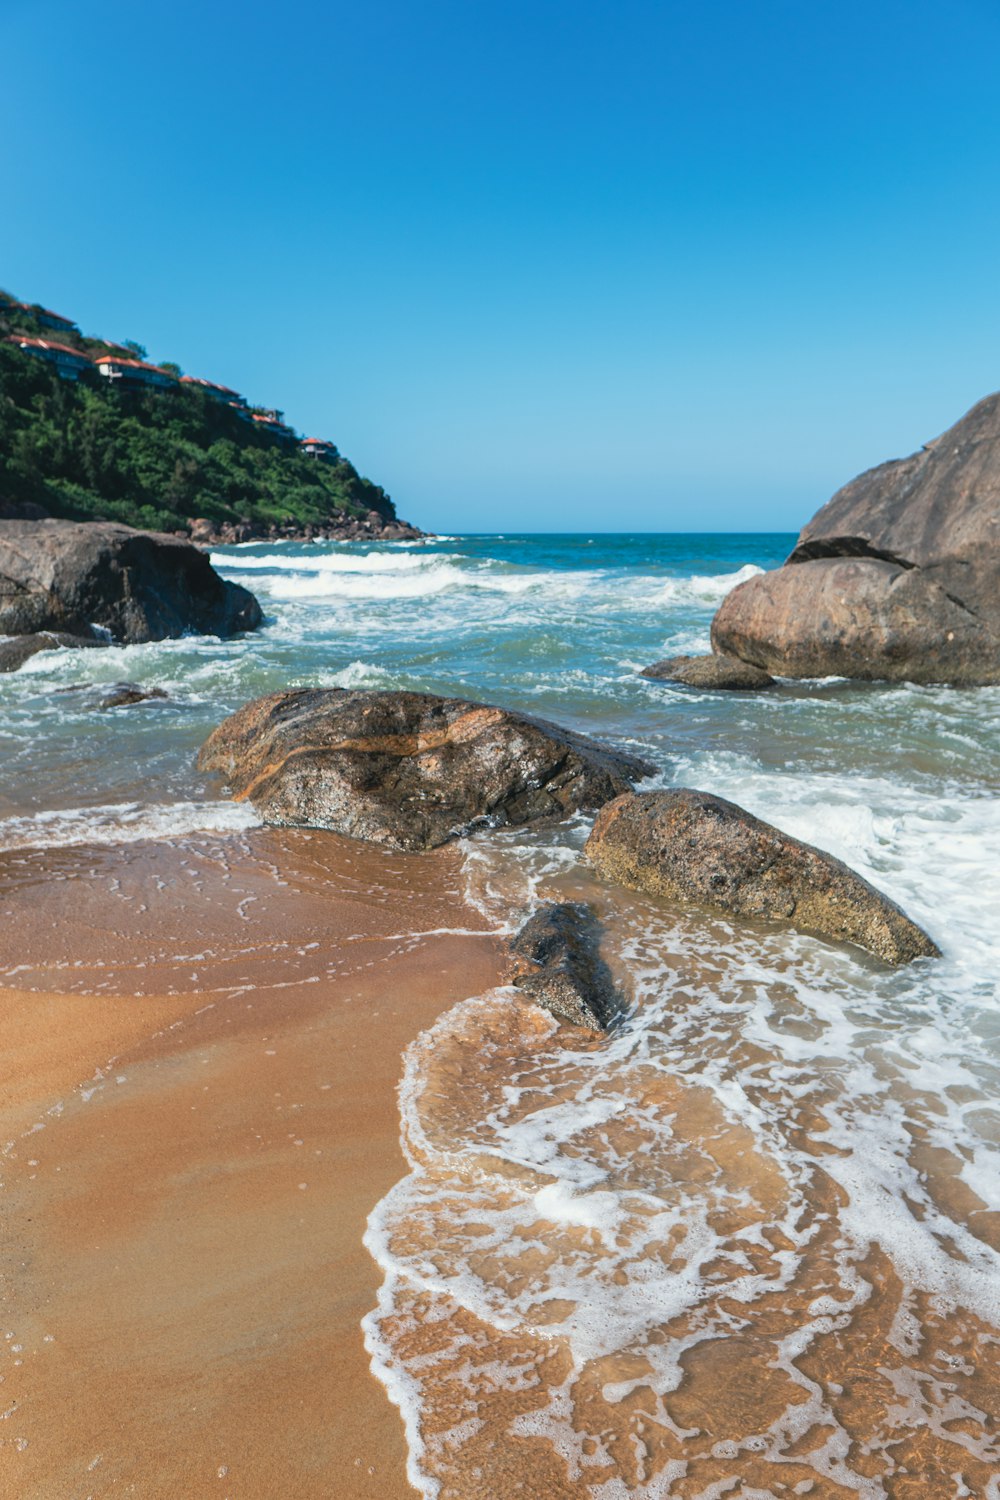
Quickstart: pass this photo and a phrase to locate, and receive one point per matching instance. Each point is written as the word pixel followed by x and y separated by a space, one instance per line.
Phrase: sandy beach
pixel 198 1114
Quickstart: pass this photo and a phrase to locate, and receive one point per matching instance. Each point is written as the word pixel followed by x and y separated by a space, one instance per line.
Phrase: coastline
pixel 784 1163
pixel 186 1314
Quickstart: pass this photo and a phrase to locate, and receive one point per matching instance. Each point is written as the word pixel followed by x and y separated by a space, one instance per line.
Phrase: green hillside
pixel 87 448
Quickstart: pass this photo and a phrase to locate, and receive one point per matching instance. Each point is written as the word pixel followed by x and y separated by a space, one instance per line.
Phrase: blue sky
pixel 539 266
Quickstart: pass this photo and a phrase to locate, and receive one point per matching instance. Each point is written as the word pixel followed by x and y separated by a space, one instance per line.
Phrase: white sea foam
pixel 360 674
pixel 388 575
pixel 123 822
pixel 333 562
pixel 558 1194
pixel 698 589
pixel 430 578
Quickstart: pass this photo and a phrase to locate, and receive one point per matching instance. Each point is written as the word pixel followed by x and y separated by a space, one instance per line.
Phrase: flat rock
pixel 15 651
pixel 689 846
pixel 408 770
pixel 556 959
pixel 138 585
pixel 726 673
pixel 897 578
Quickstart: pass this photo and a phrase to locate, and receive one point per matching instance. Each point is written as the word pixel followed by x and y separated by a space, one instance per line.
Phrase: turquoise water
pixel 554 624
pixel 595 1232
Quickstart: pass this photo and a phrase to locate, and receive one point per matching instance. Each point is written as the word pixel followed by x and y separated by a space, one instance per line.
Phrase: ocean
pixel 779 1178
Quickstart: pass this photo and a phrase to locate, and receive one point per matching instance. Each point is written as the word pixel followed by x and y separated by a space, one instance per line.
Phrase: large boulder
pixel 689 846
pixel 408 770
pixel 138 585
pixel 556 959
pixel 897 577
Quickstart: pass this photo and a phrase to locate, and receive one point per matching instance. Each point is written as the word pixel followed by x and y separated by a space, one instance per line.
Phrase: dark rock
pixel 556 960
pixel 202 530
pixel 690 846
pixel 122 694
pixel 409 770
pixel 137 585
pixel 15 651
pixel 727 673
pixel 340 527
pixel 21 510
pixel 897 577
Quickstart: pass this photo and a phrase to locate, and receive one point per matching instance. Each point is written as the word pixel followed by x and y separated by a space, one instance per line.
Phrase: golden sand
pixel 198 1101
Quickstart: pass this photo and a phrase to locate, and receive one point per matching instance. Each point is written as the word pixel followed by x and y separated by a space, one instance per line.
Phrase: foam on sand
pixel 752 1236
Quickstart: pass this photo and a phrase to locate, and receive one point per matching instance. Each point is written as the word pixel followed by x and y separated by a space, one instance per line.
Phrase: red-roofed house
pixel 318 448
pixel 69 363
pixel 43 315
pixel 50 319
pixel 268 422
pixel 134 373
pixel 217 392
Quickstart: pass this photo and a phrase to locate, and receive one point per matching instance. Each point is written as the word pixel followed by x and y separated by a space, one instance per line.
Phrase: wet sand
pixel 202 1043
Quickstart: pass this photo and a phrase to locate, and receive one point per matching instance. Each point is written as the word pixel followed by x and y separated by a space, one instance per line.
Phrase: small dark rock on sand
pixel 689 846
pixel 556 960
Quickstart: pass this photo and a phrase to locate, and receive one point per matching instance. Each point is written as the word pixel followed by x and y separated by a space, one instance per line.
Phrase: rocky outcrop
pixel 689 846
pixel 556 959
pixel 137 585
pixel 16 650
pixel 723 673
pixel 408 770
pixel 343 527
pixel 897 577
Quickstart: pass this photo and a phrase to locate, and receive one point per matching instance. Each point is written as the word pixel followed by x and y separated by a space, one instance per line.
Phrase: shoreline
pixel 187 1272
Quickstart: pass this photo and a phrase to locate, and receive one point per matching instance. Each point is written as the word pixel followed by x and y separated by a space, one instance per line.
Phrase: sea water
pixel 747 1245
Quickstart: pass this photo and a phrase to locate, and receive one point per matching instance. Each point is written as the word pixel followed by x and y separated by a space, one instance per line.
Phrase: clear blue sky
pixel 533 265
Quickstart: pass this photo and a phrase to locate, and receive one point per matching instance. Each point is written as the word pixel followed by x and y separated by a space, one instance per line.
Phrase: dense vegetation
pixel 86 449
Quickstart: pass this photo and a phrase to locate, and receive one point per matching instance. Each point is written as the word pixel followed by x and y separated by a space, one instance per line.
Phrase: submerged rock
pixel 727 673
pixel 16 651
pixel 897 577
pixel 690 846
pixel 138 585
pixel 556 960
pixel 123 694
pixel 408 770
